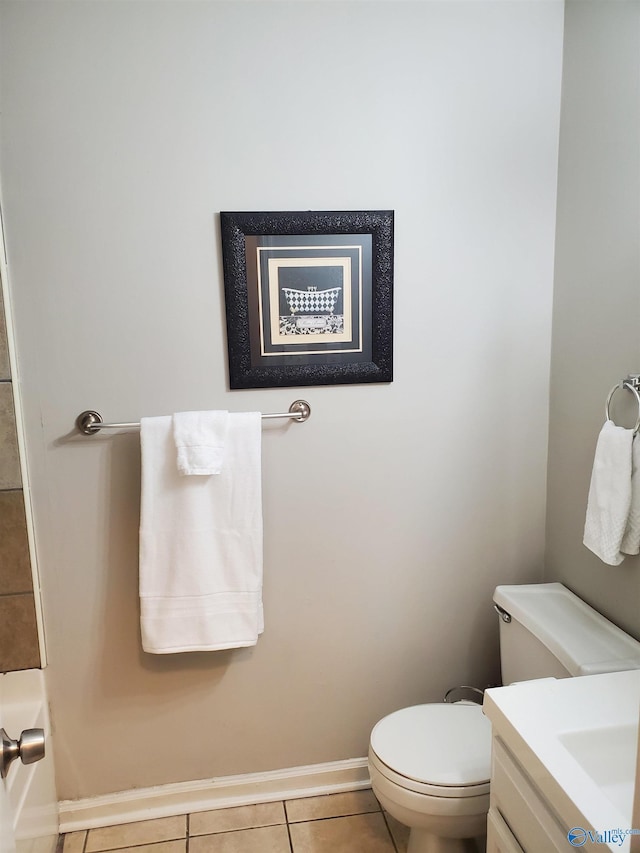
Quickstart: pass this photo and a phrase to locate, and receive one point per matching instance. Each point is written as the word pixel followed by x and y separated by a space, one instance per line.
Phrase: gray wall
pixel 393 513
pixel 596 309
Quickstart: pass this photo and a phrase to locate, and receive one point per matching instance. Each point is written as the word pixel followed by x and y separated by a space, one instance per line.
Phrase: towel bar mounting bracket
pixel 89 422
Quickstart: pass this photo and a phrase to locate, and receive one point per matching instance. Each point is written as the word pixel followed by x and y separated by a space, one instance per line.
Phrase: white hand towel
pixel 201 543
pixel 200 439
pixel 609 494
pixel 631 539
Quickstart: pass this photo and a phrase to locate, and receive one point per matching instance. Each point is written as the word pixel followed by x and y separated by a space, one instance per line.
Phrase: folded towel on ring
pixel 609 498
pixel 631 539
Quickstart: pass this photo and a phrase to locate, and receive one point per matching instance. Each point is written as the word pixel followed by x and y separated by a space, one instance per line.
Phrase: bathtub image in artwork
pixel 311 300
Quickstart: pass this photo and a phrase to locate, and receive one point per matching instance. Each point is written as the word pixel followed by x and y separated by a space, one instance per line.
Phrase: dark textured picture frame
pixel 337 331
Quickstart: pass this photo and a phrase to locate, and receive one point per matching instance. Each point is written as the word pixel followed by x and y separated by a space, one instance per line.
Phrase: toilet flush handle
pixel 506 617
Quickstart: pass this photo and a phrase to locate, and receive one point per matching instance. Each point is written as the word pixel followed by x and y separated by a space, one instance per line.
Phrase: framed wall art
pixel 309 297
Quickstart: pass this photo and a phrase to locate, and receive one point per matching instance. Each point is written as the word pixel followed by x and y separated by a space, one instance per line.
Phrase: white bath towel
pixel 201 543
pixel 200 439
pixel 609 494
pixel 631 538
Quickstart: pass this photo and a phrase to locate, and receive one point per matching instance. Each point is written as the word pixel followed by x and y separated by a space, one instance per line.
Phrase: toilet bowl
pixel 430 765
pixel 430 768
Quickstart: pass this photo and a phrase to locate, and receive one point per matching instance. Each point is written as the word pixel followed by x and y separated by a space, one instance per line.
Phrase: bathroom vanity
pixel 563 763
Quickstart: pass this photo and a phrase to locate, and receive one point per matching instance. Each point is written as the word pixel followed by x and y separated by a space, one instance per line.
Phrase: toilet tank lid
pixel 584 641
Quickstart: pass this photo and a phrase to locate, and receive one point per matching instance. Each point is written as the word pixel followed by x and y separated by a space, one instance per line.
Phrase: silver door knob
pixel 30 748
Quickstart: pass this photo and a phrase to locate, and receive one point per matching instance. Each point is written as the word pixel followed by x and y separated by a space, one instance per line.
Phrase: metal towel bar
pixel 91 422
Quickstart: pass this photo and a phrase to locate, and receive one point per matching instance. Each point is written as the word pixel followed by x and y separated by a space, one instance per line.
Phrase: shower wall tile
pixel 5 369
pixel 15 565
pixel 19 647
pixel 18 633
pixel 10 477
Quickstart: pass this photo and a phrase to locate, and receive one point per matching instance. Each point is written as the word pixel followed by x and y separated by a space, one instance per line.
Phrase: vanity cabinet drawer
pixel 500 839
pixel 526 814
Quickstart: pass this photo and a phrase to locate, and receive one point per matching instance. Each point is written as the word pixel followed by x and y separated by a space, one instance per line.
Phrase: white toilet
pixel 430 764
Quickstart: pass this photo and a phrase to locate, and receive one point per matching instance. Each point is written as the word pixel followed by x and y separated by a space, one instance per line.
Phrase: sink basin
pixel 608 755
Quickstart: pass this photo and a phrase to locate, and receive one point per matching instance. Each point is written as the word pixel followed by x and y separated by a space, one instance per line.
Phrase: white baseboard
pixel 206 794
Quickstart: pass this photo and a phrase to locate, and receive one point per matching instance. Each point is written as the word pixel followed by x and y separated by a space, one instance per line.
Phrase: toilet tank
pixel 553 633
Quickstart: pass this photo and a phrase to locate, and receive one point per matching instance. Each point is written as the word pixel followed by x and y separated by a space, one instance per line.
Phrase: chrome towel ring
pixel 631 383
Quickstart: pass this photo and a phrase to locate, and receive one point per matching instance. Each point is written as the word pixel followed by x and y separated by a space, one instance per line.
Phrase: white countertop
pixel 577 740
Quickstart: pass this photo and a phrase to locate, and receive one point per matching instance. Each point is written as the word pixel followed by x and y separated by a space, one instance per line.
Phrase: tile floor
pixel 335 823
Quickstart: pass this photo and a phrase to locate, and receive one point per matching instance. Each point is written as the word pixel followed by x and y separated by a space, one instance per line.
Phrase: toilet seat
pixel 439 749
